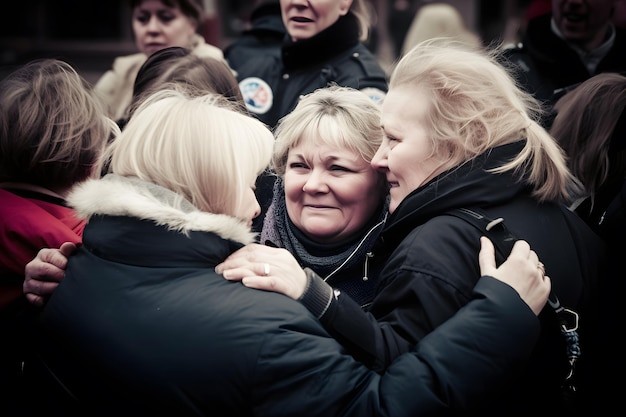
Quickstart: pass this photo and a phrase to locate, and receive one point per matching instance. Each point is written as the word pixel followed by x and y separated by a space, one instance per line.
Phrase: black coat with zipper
pixel 432 265
pixel 143 325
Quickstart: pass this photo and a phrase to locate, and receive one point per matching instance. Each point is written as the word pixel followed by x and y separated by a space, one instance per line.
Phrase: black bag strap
pixel 503 241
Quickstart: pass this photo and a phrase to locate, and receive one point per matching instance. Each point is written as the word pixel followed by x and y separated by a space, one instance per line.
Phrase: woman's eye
pixel 166 17
pixel 297 165
pixel 143 18
pixel 340 168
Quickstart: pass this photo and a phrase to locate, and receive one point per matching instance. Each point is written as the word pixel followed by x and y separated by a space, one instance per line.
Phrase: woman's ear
pixel 344 7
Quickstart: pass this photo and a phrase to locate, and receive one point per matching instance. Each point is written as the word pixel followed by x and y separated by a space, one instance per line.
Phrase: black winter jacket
pixel 433 265
pixel 265 35
pixel 548 67
pixel 272 80
pixel 142 325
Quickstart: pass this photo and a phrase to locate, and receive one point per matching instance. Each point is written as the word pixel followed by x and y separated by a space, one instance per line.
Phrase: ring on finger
pixel 541 268
pixel 266 269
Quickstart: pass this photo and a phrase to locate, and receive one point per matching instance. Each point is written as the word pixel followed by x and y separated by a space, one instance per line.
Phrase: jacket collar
pixel 467 185
pixel 116 195
pixel 337 38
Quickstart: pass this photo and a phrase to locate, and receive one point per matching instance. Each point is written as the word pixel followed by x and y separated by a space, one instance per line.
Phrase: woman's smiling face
pixel 406 155
pixel 330 193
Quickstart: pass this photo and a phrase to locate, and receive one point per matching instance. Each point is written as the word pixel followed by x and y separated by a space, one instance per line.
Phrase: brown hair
pixel 177 65
pixel 52 127
pixel 585 127
pixel 194 9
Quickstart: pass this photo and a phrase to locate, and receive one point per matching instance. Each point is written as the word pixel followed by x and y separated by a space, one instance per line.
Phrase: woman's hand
pixel 522 271
pixel 43 274
pixel 265 268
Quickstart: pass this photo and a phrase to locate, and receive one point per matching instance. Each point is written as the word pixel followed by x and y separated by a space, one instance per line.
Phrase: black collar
pixel 332 41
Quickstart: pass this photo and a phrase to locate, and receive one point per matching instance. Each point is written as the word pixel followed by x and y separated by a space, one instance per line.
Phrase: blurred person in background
pixel 590 125
pixel 438 20
pixel 400 15
pixel 265 31
pixel 323 45
pixel 156 24
pixel 566 46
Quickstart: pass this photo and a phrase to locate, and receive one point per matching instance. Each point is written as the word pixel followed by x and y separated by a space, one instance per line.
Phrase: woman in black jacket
pixel 458 134
pixel 329 203
pixel 143 325
pixel 323 45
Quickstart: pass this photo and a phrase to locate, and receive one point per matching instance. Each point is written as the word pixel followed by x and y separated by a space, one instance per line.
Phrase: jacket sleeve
pixel 373 342
pixel 464 360
pixel 423 284
pixel 455 368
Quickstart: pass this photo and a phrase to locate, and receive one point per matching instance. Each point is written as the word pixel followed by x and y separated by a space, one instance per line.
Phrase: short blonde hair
pixel 53 129
pixel 341 117
pixel 200 147
pixel 476 105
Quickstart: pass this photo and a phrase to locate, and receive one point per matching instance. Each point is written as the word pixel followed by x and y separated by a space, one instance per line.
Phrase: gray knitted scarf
pixel 325 260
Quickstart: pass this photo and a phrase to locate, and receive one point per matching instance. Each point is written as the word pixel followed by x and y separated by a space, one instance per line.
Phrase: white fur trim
pixel 119 196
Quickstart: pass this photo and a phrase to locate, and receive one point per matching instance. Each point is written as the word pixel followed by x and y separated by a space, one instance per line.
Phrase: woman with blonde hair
pixel 323 45
pixel 143 325
pixel 329 204
pixel 459 135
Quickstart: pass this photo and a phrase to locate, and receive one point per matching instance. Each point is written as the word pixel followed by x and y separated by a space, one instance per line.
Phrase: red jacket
pixel 30 221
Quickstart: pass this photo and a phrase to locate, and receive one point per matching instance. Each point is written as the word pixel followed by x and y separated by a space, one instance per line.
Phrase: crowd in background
pixel 294 222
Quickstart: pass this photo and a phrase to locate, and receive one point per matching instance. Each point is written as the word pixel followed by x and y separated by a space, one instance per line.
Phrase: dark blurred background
pixel 89 34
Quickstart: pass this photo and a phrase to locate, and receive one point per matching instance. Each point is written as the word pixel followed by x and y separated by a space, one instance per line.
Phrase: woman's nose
pixel 315 183
pixel 153 24
pixel 379 161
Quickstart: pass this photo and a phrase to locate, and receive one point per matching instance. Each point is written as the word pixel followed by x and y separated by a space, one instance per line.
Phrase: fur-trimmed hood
pixel 115 195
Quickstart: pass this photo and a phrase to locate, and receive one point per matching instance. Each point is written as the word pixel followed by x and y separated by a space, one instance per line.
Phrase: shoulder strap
pixel 503 241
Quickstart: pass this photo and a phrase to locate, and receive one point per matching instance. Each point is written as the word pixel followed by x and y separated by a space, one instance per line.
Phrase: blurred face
pixel 330 193
pixel 306 18
pixel 249 208
pixel 157 26
pixel 583 22
pixel 405 156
